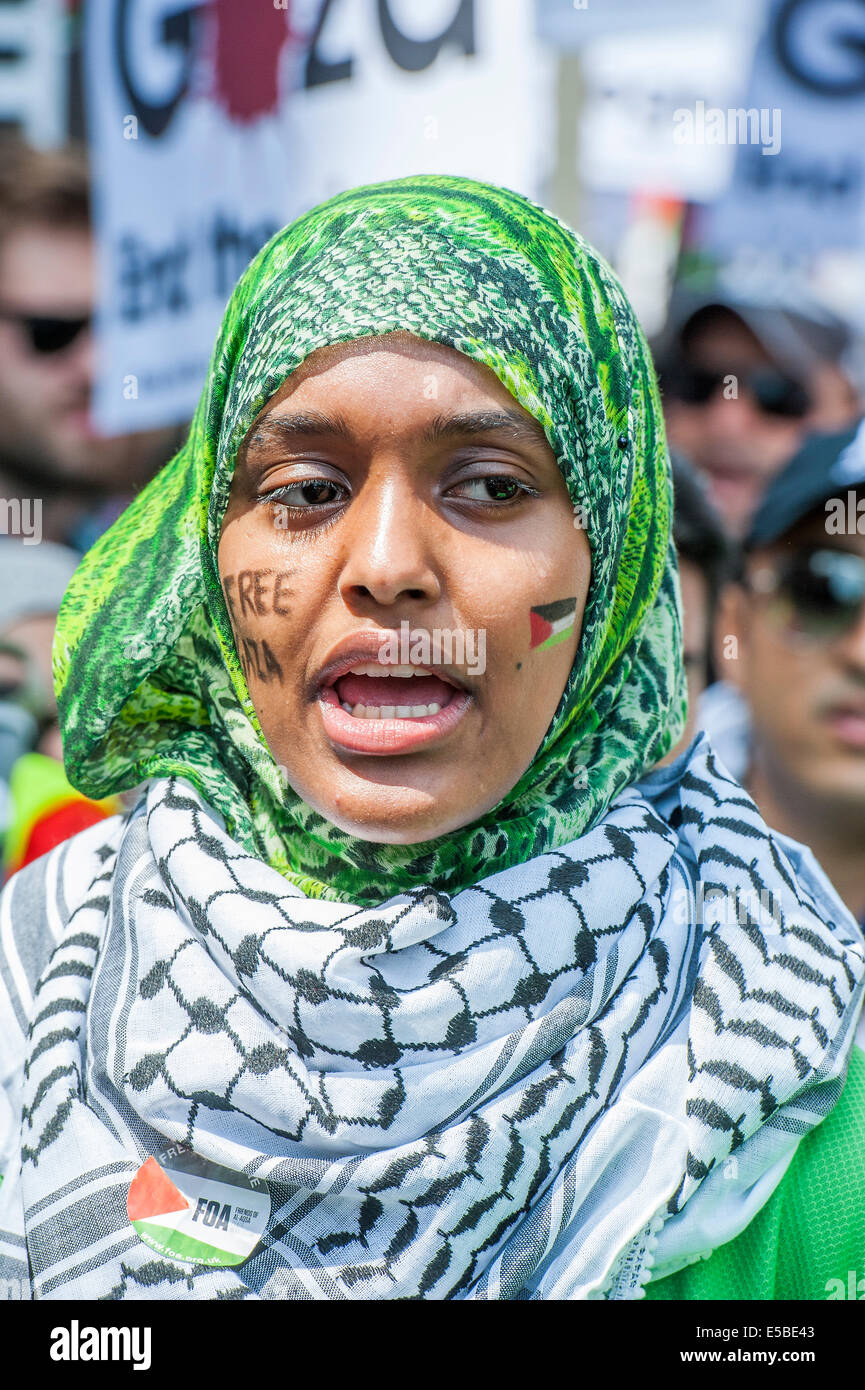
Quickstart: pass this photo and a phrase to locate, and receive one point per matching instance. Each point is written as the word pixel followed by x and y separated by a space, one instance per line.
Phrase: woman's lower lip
pixel 388 736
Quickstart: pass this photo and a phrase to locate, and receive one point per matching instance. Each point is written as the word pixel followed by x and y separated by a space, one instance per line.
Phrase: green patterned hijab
pixel 148 680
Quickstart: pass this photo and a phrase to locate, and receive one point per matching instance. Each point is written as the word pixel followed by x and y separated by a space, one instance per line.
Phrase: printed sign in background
pixel 640 63
pixel 635 84
pixel 810 64
pixel 212 125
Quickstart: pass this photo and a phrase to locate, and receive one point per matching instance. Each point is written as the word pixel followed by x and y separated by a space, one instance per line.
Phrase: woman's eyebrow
pixel 275 429
pixel 520 427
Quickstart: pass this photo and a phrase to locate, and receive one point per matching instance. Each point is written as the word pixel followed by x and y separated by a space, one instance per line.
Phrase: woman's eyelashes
pixel 303 497
pixel 492 488
pixel 308 494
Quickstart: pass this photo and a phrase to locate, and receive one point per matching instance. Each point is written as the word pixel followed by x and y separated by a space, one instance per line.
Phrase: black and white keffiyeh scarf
pixel 522 1091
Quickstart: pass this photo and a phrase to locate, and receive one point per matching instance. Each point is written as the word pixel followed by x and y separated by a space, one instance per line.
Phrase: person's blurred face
pixel 835 404
pixel 393 481
pixel 806 696
pixel 27 662
pixel 695 642
pixel 45 396
pixel 731 438
pixel 34 636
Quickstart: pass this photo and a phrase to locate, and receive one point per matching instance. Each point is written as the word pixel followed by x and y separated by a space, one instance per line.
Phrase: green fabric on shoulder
pixel 810 1235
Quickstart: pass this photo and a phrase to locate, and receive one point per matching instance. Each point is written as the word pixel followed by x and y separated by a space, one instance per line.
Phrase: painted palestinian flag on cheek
pixel 552 622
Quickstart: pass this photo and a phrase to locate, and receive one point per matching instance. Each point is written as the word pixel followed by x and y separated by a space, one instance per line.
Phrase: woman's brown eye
pixel 309 493
pixel 491 489
pixel 319 491
pixel 501 489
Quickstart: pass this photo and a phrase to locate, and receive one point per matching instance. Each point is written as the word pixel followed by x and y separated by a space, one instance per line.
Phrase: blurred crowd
pixel 61 483
pixel 763 420
pixel 763 416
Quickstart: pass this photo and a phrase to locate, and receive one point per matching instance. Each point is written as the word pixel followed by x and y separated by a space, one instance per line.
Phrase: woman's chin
pixel 402 830
pixel 396 815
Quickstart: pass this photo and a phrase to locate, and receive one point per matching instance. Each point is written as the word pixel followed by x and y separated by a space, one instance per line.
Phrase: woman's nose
pixel 387 550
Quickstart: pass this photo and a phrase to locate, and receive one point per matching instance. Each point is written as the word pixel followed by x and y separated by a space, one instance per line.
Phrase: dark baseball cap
pixel 796 331
pixel 827 465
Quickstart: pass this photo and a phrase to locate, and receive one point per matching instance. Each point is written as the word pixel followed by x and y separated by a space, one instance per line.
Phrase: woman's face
pixel 395 523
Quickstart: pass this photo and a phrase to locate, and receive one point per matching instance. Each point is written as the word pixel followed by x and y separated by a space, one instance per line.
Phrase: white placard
pixel 810 65
pixel 569 23
pixel 212 127
pixel 656 112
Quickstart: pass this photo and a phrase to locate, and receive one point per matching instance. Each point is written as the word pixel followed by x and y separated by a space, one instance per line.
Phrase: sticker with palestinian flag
pixel 189 1209
pixel 552 622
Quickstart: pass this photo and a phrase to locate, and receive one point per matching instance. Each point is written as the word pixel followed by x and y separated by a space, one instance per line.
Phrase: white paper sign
pixel 213 126
pixel 811 66
pixel 644 126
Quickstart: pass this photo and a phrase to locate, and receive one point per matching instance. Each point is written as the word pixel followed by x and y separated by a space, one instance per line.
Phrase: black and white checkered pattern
pixel 490 1095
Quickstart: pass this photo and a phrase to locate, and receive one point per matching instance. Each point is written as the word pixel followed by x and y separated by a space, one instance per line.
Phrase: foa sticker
pixel 189 1209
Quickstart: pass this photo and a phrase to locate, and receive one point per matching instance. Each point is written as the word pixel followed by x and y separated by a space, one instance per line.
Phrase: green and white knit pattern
pixel 148 679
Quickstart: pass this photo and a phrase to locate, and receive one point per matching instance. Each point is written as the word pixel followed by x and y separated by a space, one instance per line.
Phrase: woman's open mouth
pixel 380 709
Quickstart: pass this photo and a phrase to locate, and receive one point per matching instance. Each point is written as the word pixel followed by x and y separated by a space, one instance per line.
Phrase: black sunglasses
pixel 47 333
pixel 774 391
pixel 816 594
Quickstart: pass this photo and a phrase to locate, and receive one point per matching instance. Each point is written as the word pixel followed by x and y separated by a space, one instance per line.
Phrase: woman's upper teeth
pixel 391 711
pixel 376 670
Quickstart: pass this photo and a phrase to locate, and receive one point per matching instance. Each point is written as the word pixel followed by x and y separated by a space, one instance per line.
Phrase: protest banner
pixel 213 125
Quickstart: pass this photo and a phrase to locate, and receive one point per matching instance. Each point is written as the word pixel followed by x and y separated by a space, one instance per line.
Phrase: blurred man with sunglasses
pixel 705 557
pixel 38 807
pixel 49 448
pixel 744 379
pixel 789 717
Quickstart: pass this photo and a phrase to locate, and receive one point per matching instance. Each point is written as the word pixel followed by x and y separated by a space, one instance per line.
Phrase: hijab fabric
pixel 531 1089
pixel 148 678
